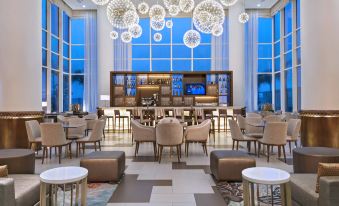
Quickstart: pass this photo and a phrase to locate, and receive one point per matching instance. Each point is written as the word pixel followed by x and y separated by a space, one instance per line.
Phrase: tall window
pixel 66 59
pixel 288 57
pixel 264 61
pixel 277 66
pixel 298 53
pixel 170 54
pixel 54 58
pixel 44 50
pixel 78 59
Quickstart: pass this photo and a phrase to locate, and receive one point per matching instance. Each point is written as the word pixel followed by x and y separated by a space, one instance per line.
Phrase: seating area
pixel 169 103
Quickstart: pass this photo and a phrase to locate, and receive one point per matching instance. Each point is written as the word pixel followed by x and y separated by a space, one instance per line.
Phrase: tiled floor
pixel 186 184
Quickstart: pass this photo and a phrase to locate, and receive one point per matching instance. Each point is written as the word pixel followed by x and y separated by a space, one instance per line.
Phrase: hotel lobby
pixel 169 102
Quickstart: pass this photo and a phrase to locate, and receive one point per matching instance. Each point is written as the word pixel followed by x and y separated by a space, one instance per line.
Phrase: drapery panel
pixel 220 49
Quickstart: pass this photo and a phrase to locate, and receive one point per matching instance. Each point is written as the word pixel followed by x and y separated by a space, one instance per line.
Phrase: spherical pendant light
pixel 169 3
pixel 157 25
pixel 116 11
pixel 192 38
pixel 100 2
pixel 126 37
pixel 186 5
pixel 217 30
pixel 228 2
pixel 114 35
pixel 244 17
pixel 135 30
pixel 143 8
pixel 169 24
pixel 207 14
pixel 157 12
pixel 173 10
pixel 157 37
pixel 130 18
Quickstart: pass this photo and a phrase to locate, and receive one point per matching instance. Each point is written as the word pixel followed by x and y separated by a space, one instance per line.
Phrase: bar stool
pixel 120 117
pixel 223 115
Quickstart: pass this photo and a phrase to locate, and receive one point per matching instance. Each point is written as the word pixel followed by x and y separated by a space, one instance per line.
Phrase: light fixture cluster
pixel 208 17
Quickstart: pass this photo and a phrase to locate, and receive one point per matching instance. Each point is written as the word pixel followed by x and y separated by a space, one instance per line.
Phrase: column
pixel 320 73
pixel 105 54
pixel 237 53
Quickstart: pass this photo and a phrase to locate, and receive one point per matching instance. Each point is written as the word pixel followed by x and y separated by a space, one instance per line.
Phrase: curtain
pixel 91 66
pixel 220 49
pixel 122 53
pixel 251 61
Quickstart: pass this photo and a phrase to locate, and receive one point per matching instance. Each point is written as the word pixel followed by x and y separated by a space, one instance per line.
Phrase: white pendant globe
pixel 217 30
pixel 157 12
pixel 192 38
pixel 100 2
pixel 158 25
pixel 207 14
pixel 169 24
pixel 244 17
pixel 169 3
pixel 157 37
pixel 114 35
pixel 130 18
pixel 135 30
pixel 186 5
pixel 228 2
pixel 126 37
pixel 173 10
pixel 116 11
pixel 143 8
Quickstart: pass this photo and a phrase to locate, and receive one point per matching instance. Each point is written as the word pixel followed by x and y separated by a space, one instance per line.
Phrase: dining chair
pixel 241 122
pixel 273 118
pixel 252 114
pixel 94 137
pixel 275 134
pixel 80 128
pixel 169 134
pixel 254 127
pixel 33 133
pixel 53 135
pixel 293 131
pixel 103 118
pixel 159 114
pixel 238 136
pixel 197 134
pixel 90 121
pixel 142 134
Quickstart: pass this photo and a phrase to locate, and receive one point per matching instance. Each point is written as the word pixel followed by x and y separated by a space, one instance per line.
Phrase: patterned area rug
pixel 98 194
pixel 233 193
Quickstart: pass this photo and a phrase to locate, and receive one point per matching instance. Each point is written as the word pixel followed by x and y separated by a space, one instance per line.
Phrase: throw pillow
pixel 326 169
pixel 3 171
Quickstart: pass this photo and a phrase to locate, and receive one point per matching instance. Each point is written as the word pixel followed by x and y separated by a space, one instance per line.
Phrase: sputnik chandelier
pixel 208 17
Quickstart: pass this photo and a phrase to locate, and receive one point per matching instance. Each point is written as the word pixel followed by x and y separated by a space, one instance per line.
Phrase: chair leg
pixel 233 144
pixel 178 153
pixel 138 144
pixel 259 145
pixel 289 145
pixel 279 151
pixel 255 147
pixel 43 154
pixel 83 149
pixel 60 151
pixel 136 147
pixel 70 150
pixel 268 153
pixel 95 146
pixel 180 150
pixel 103 133
pixel 50 153
pixel 155 149
pixel 284 153
pixel 77 150
pixel 188 144
pixel 185 148
pixel 99 145
pixel 160 152
pixel 237 145
pixel 218 124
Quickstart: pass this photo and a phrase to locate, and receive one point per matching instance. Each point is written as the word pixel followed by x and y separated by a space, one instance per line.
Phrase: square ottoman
pixel 104 166
pixel 226 165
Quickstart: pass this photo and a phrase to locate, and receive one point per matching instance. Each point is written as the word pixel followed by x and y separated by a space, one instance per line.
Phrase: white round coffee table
pixel 63 176
pixel 266 176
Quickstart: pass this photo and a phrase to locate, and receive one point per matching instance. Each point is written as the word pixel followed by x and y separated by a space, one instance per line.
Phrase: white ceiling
pixel 88 4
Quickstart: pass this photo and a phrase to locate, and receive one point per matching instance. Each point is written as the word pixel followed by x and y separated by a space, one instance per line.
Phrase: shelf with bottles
pixel 212 79
pixel 142 79
pixel 224 100
pixel 224 84
pixel 130 85
pixel 159 79
pixel 177 85
pixel 119 79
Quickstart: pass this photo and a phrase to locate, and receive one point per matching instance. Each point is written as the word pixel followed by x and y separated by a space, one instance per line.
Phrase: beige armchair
pixel 78 132
pixel 53 135
pixel 33 133
pixel 293 130
pixel 237 136
pixel 254 131
pixel 169 134
pixel 198 133
pixel 252 114
pixel 95 137
pixel 273 118
pixel 274 135
pixel 141 134
pixel 241 122
pixel 103 118
pixel 90 121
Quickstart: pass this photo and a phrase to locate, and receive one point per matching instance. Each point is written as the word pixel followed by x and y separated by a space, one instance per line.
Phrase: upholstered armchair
pixel 78 132
pixel 33 132
pixel 103 118
pixel 237 136
pixel 254 131
pixel 53 135
pixel 252 114
pixel 274 135
pixel 293 130
pixel 273 118
pixel 169 134
pixel 141 134
pixel 197 133
pixel 95 137
pixel 90 121
pixel 241 122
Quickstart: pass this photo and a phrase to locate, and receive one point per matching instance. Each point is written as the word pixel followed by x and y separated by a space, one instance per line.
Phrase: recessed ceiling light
pixel 84 6
pixel 258 5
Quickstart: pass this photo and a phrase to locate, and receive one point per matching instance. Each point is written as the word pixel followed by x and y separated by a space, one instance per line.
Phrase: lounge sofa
pixel 303 190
